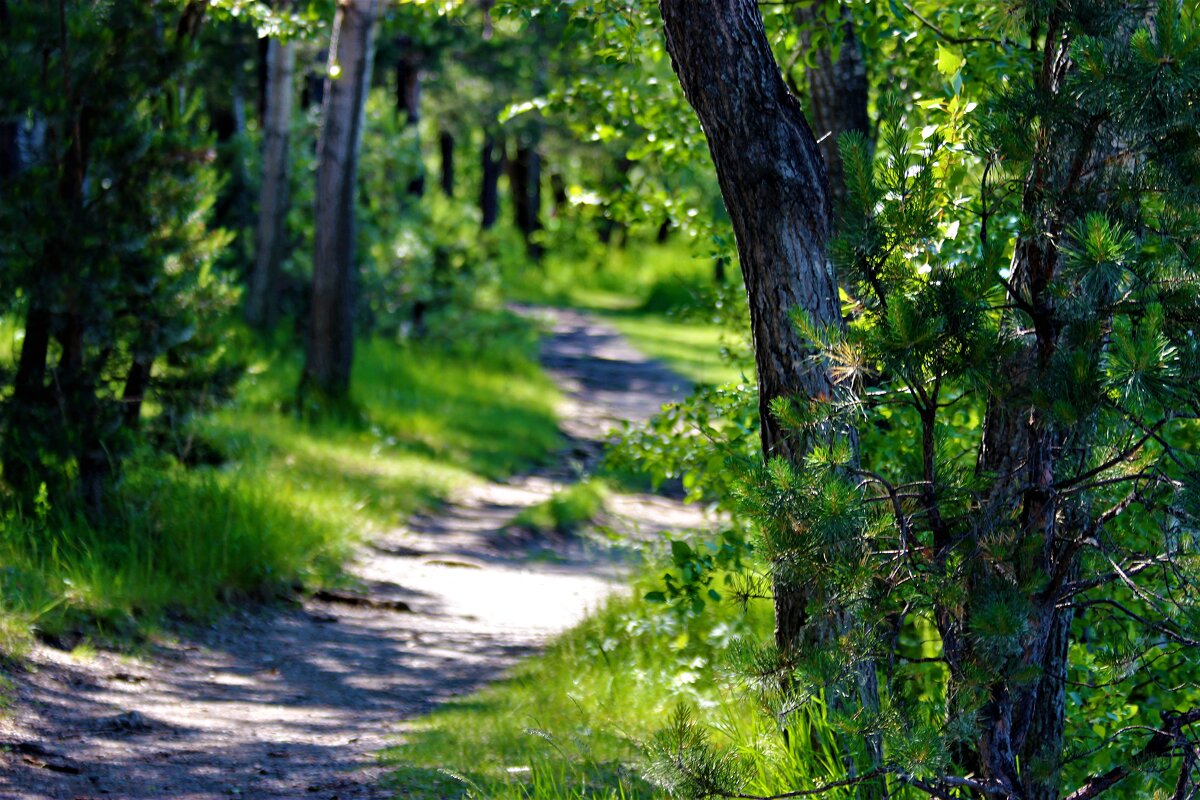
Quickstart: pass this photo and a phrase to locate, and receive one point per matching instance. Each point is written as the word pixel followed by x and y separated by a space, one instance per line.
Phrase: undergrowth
pixel 279 499
pixel 574 721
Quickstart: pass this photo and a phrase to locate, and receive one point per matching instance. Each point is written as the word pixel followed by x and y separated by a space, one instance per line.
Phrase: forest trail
pixel 294 703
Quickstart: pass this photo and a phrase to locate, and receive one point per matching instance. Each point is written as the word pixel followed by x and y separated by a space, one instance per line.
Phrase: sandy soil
pixel 294 702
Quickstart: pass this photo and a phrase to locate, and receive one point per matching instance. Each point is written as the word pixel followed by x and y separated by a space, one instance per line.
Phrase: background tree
pixel 262 301
pixel 331 328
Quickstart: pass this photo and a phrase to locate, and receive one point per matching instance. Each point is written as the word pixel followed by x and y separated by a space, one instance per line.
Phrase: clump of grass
pixel 567 512
pixel 287 496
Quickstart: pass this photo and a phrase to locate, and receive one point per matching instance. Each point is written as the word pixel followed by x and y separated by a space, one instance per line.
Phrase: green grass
pixel 290 495
pixel 567 512
pixel 569 723
pixel 657 295
pixel 692 349
pixel 574 722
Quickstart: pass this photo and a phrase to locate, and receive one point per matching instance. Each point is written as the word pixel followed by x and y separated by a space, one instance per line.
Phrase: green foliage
pixel 106 249
pixel 577 721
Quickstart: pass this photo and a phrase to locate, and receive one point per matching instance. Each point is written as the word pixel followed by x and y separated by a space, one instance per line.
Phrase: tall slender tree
pixel 492 160
pixel 262 305
pixel 331 324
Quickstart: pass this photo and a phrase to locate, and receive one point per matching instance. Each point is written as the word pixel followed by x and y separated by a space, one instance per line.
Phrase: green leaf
pixel 948 62
pixel 654 597
pixel 681 552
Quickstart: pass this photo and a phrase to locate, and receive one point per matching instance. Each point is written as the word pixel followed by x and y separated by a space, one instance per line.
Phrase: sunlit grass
pixel 692 349
pixel 288 496
pixel 569 723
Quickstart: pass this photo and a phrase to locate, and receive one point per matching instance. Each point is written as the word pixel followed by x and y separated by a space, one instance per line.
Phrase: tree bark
pixel 558 194
pixel 262 305
pixel 408 103
pixel 525 177
pixel 331 327
pixel 493 167
pixel 446 147
pixel 775 189
pixel 837 90
pixel 10 154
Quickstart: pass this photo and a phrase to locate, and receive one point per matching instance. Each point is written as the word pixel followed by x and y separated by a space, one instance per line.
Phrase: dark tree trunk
pixel 408 103
pixel 837 89
pixel 664 232
pixel 558 193
pixel 776 192
pixel 10 154
pixel 133 397
pixel 22 457
pixel 312 92
pixel 262 68
pixel 1021 726
pixel 525 178
pixel 486 6
pixel 446 146
pixel 331 324
pixel 493 167
pixel 262 297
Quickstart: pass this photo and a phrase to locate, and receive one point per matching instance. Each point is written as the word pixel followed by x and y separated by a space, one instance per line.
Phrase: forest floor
pixel 295 702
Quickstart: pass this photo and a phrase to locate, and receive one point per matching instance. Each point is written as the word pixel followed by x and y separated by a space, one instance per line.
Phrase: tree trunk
pixel 493 167
pixel 10 154
pixel 558 194
pixel 133 397
pixel 486 7
pixel 408 103
pixel 775 189
pixel 446 146
pixel 262 299
pixel 331 326
pixel 1021 726
pixel 837 90
pixel 525 177
pixel 22 457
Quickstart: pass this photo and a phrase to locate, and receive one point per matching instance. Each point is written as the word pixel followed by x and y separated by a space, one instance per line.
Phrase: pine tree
pixel 1016 545
pixel 104 251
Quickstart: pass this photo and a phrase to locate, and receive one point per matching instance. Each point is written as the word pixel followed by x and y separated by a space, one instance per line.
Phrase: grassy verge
pixel 655 294
pixel 571 722
pixel 286 497
pixel 691 348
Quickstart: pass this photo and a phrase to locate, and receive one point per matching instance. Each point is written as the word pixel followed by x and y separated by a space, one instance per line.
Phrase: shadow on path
pixel 293 703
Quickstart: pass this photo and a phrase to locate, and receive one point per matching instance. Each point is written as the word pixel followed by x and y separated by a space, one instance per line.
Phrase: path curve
pixel 294 703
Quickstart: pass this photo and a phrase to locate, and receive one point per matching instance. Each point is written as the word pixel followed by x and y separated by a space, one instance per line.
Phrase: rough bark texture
pixel 262 305
pixel 331 326
pixel 446 147
pixel 775 190
pixel 1022 723
pixel 489 192
pixel 837 89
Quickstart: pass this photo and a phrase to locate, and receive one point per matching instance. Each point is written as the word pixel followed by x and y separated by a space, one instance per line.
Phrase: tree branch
pixel 1159 746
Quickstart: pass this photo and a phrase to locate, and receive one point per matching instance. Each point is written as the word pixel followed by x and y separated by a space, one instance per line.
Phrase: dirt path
pixel 293 703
